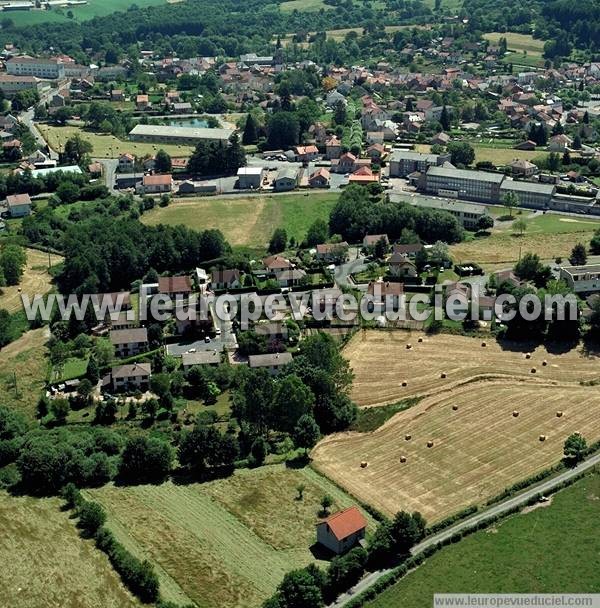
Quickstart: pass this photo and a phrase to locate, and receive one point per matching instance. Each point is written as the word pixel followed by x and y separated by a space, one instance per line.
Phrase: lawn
pixel 490 151
pixel 523 48
pixel 517 556
pixel 249 220
pixel 72 368
pixel 226 542
pixel 24 360
pixel 46 563
pixel 93 8
pixel 35 280
pixel 550 236
pixel 105 145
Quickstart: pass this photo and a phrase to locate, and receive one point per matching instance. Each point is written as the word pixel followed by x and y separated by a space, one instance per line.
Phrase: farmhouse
pixel 19 205
pixel 127 377
pixel 342 530
pixel 186 136
pixel 128 342
pixel 271 362
pixel 156 184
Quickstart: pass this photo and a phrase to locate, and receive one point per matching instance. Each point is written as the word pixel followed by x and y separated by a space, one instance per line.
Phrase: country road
pixel 494 510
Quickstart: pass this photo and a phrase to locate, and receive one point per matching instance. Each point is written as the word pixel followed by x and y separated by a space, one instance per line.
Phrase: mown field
pixel 106 145
pixel 93 8
pixel 24 361
pixel 46 563
pixel 35 280
pixel 517 556
pixel 523 48
pixel 480 448
pixel 550 236
pixel 491 152
pixel 248 220
pixel 226 542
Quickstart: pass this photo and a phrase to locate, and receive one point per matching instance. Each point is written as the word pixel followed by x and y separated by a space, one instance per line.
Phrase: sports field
pixel 46 563
pixel 222 543
pixel 35 280
pixel 105 145
pixel 23 360
pixel 519 555
pixel 549 236
pixel 479 448
pixel 248 220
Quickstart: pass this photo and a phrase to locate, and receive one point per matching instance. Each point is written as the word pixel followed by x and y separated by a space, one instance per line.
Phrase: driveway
pixel 355 264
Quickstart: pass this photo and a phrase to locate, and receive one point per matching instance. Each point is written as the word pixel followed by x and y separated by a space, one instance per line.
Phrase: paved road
pixel 110 169
pixel 497 509
pixel 355 264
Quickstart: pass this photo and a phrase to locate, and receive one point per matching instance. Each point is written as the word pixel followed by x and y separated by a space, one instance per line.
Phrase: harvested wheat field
pixel 488 424
pixel 382 362
pixel 35 280
pixel 46 563
pixel 477 450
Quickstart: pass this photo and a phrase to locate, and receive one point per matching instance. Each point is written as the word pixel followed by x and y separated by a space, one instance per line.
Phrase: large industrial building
pixel 404 162
pixel 478 186
pixel 467 214
pixel 187 136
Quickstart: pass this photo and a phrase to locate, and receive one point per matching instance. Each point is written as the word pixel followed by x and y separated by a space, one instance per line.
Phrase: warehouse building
pixel 186 136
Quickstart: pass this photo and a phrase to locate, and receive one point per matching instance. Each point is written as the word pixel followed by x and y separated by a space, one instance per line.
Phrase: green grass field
pixel 498 153
pixel 247 221
pixel 226 542
pixel 107 146
pixel 524 49
pixel 93 8
pixel 303 6
pixel 47 563
pixel 552 549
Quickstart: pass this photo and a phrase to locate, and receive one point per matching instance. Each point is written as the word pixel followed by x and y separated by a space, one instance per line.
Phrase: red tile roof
pixel 345 523
pixel 174 284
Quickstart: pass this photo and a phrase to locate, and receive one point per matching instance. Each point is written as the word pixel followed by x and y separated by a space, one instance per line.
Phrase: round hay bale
pixel 430 444
pixel 576 433
pixel 364 464
pixel 527 355
pixel 455 407
pixel 542 437
pixel 408 436
pixel 443 375
pixel 533 370
pixel 544 362
pixel 408 346
pixel 420 340
pixel 484 344
pixel 515 413
pixel 404 383
pixel 559 414
pixel 402 458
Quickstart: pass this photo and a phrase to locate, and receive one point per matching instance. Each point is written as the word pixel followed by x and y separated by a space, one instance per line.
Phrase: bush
pixel 91 517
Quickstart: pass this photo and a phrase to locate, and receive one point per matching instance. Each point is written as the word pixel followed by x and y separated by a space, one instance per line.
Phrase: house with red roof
pixel 342 530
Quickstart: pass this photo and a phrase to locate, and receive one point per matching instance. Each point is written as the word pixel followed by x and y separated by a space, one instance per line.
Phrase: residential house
pixel 401 266
pixel 319 178
pixel 272 362
pixel 385 293
pixel 117 95
pixel 343 530
pixel 440 139
pixel 559 143
pixel 333 148
pixel 223 278
pixel 272 330
pixel 276 263
pixel 290 277
pixel 157 184
pixel 523 168
pixel 363 175
pixel 409 250
pixel 528 145
pixel 19 205
pixel 175 287
pixel 126 163
pixel 305 154
pixel 204 357
pixel 142 102
pixel 332 253
pixel 376 152
pixel 129 342
pixel 286 179
pixel 131 377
